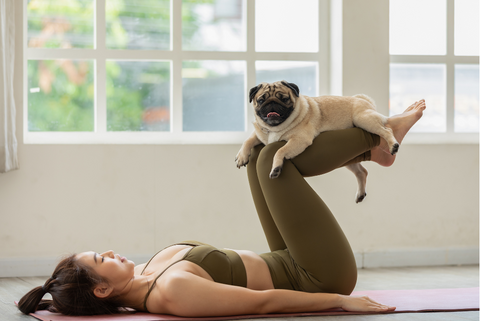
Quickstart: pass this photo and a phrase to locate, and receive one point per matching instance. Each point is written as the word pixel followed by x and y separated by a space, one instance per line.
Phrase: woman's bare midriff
pixel 258 274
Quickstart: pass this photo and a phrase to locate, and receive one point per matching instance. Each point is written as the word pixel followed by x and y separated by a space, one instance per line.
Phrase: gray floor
pixel 12 289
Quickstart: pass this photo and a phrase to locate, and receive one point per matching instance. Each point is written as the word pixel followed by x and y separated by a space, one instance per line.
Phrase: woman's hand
pixel 363 304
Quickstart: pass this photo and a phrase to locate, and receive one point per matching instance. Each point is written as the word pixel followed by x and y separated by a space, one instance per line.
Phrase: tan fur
pixel 310 117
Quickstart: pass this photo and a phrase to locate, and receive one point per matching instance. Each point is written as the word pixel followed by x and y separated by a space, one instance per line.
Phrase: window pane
pixel 466 98
pixel 138 24
pixel 60 24
pixel 214 95
pixel 301 73
pixel 138 95
pixel 412 82
pixel 466 27
pixel 60 95
pixel 285 25
pixel 418 27
pixel 214 25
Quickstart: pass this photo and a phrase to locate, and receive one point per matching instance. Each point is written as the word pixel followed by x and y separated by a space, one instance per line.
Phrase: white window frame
pixel 101 54
pixel 449 60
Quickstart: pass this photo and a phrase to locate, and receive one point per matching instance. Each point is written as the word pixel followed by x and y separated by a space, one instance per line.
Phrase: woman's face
pixel 117 270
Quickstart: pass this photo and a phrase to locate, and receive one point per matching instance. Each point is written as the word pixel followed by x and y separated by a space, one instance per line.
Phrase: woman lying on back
pixel 310 267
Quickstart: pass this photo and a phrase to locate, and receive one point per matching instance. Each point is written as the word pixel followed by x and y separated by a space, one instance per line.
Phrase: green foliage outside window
pixel 61 93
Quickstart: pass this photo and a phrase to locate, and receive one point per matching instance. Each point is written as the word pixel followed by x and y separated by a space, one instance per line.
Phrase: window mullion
pixel 323 72
pixel 176 118
pixel 251 77
pixel 100 68
pixel 450 99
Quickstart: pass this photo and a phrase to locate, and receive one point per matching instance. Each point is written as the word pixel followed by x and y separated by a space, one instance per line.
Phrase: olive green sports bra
pixel 224 266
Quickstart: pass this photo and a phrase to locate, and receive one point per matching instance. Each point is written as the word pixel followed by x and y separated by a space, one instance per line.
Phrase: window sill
pixel 134 138
pixel 204 138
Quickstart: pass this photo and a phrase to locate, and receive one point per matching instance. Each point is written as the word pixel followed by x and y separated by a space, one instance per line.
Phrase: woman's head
pixel 73 287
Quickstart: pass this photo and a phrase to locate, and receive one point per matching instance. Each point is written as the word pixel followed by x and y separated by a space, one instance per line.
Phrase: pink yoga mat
pixel 436 300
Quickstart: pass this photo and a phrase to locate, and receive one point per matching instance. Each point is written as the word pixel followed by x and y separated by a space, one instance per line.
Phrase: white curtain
pixel 8 141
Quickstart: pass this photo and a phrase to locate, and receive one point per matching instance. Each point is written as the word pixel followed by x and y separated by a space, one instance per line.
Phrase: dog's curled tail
pixel 365 97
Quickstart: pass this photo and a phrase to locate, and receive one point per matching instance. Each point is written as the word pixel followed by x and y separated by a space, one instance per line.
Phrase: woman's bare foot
pixel 400 125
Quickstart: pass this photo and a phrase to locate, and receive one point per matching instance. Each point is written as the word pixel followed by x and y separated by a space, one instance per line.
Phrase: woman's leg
pixel 321 151
pixel 308 228
pixel 294 217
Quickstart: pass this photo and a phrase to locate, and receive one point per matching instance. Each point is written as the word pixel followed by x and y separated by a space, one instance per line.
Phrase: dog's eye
pixel 260 101
pixel 285 100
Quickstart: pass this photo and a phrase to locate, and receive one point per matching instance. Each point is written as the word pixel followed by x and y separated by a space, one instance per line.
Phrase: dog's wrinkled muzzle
pixel 273 113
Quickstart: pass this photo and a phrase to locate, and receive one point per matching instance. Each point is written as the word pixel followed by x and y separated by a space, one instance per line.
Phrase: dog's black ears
pixel 253 91
pixel 292 86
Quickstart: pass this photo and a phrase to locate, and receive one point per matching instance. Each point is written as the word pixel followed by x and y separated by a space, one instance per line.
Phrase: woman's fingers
pixel 364 303
pixel 379 306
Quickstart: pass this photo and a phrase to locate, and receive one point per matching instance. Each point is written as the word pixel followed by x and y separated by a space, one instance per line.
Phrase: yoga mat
pixel 435 300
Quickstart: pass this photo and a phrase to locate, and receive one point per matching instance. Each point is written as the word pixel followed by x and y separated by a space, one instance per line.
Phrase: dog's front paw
pixel 276 172
pixel 394 148
pixel 241 159
pixel 360 197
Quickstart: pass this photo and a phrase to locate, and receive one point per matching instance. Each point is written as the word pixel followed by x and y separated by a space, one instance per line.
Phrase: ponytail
pixel 33 301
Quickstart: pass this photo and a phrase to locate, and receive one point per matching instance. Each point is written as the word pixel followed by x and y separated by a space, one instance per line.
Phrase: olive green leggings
pixel 309 250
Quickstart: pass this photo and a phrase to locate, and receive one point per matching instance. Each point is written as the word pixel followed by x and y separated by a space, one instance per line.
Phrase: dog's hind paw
pixel 395 148
pixel 275 172
pixel 360 198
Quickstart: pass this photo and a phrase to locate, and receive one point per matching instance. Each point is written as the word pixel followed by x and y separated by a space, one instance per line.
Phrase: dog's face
pixel 274 102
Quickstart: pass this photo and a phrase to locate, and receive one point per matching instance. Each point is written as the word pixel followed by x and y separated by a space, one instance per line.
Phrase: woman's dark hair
pixel 71 287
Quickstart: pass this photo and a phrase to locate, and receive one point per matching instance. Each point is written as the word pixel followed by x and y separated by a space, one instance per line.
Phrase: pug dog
pixel 283 114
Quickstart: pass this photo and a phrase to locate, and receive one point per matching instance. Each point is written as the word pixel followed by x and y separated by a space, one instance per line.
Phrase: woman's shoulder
pixel 164 293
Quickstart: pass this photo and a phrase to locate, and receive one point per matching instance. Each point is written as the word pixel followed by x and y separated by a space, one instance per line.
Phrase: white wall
pixel 138 199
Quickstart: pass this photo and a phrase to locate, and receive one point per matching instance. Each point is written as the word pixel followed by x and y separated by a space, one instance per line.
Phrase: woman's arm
pixel 186 294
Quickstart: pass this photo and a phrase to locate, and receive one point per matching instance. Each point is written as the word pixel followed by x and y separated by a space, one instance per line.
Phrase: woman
pixel 310 267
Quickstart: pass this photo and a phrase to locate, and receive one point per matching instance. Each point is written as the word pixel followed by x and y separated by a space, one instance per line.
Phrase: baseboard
pixel 44 266
pixel 417 257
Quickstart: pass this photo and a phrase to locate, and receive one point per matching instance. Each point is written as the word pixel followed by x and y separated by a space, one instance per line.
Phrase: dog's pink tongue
pixel 272 114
